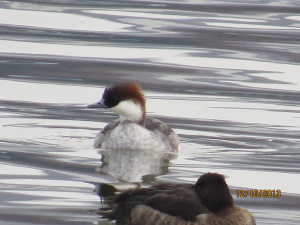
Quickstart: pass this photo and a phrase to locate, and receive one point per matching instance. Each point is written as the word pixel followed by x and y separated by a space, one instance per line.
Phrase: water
pixel 223 74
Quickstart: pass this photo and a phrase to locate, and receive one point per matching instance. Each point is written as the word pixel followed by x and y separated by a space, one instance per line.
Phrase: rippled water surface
pixel 223 74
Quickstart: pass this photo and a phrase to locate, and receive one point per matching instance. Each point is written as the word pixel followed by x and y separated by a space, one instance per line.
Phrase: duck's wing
pixel 124 202
pixel 181 202
pixel 112 125
pixel 155 124
pixel 104 132
pixel 175 200
pixel 158 126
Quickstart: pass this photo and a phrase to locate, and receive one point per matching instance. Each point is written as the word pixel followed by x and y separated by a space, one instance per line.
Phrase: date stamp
pixel 256 193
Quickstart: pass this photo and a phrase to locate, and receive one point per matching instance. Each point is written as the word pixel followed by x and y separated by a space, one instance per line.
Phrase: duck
pixel 132 130
pixel 208 202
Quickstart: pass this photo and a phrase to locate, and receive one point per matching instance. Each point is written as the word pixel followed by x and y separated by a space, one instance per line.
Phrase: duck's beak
pixel 99 104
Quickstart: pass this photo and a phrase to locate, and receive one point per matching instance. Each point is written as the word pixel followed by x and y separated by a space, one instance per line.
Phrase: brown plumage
pixel 209 202
pixel 125 91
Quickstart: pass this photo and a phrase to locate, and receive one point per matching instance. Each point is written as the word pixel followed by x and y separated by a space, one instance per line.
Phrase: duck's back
pixel 154 136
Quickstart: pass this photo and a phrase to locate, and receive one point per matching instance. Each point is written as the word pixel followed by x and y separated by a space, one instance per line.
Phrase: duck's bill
pixel 99 104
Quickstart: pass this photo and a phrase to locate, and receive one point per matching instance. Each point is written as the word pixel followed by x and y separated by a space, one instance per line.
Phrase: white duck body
pixel 155 135
pixel 132 130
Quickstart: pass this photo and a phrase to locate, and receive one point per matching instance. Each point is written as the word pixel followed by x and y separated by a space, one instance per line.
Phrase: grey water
pixel 223 74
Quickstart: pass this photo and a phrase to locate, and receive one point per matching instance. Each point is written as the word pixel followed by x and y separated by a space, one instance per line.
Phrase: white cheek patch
pixel 128 110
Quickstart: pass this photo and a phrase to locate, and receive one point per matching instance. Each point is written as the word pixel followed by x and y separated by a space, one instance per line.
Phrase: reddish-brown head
pixel 127 100
pixel 113 95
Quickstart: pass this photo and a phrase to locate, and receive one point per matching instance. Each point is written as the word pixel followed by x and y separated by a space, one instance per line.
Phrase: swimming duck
pixel 208 202
pixel 132 130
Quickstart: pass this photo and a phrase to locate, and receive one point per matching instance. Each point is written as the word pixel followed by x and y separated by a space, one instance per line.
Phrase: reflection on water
pixel 135 165
pixel 223 74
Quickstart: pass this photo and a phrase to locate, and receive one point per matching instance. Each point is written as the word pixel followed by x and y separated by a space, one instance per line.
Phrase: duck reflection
pixel 135 166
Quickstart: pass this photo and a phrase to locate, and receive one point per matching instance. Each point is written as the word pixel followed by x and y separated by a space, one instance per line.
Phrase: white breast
pixel 129 135
pixel 128 110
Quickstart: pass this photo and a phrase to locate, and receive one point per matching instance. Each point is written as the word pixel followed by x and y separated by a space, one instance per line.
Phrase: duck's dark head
pixel 127 100
pixel 213 191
